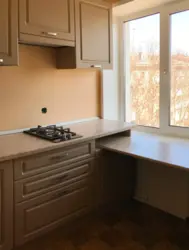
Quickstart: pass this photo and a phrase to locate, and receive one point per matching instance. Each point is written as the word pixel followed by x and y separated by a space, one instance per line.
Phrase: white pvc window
pixel 156 68
pixel 179 113
pixel 142 43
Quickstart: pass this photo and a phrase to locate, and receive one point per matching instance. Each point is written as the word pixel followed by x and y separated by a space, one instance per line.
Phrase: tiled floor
pixel 134 227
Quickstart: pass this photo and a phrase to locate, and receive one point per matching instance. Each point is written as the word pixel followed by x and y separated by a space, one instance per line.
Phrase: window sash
pixel 128 74
pixel 165 66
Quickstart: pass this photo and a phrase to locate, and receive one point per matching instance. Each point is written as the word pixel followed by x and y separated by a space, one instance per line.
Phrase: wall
pixel 36 83
pixel 164 188
pixel 110 81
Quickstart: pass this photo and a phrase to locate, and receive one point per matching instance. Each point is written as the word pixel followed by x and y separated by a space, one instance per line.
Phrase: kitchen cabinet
pixel 56 184
pixel 6 205
pixel 68 191
pixel 47 22
pixel 93 33
pixel 46 212
pixel 93 37
pixel 62 185
pixel 8 32
pixel 116 178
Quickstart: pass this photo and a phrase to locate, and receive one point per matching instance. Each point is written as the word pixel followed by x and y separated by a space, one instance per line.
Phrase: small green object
pixel 44 110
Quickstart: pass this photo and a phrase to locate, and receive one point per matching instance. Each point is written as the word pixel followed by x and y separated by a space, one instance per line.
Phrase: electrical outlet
pixel 44 110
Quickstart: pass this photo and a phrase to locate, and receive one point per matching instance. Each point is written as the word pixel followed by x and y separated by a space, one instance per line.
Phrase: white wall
pixel 163 187
pixel 110 83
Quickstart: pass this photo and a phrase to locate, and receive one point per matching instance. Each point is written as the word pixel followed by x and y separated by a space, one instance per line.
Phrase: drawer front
pixel 40 215
pixel 43 183
pixel 35 164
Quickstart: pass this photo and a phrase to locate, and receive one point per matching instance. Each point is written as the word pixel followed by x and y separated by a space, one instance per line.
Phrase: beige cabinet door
pixel 116 178
pixel 8 32
pixel 93 33
pixel 48 211
pixel 6 206
pixel 49 22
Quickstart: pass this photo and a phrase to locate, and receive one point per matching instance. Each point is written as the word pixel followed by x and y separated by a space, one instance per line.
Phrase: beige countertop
pixel 17 145
pixel 174 152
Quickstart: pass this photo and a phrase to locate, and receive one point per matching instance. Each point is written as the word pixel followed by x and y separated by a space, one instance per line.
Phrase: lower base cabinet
pixel 105 179
pixel 49 199
pixel 115 178
pixel 40 215
pixel 6 206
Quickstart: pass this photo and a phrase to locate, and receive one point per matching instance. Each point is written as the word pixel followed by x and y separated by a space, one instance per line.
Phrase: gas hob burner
pixel 53 133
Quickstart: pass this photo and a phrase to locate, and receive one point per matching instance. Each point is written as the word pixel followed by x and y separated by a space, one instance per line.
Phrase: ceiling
pixel 136 5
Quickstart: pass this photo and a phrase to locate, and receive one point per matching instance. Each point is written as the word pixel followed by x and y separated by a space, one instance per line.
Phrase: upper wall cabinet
pixel 94 33
pixel 93 37
pixel 47 22
pixel 8 32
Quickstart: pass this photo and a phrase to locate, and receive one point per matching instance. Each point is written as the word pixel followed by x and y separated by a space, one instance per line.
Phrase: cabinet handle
pixel 59 158
pixel 60 179
pixel 96 66
pixel 49 33
pixel 60 194
pixel 1 61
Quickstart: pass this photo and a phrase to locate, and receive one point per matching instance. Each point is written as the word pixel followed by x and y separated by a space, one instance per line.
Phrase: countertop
pixel 18 145
pixel 171 151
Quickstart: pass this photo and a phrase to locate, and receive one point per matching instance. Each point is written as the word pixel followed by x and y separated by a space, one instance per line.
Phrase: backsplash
pixel 36 84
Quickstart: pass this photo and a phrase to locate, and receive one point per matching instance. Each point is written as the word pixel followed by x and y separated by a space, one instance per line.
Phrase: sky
pixel 180 31
pixel 147 29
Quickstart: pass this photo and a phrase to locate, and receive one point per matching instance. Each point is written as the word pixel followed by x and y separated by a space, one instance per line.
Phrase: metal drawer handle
pixel 49 33
pixel 59 158
pixel 60 179
pixel 60 194
pixel 1 61
pixel 96 66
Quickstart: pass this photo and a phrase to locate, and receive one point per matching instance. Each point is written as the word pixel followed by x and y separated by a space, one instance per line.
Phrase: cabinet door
pixel 8 32
pixel 46 212
pixel 116 177
pixel 47 22
pixel 6 206
pixel 93 34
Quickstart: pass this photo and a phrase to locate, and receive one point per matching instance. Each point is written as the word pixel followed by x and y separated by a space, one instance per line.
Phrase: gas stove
pixel 53 133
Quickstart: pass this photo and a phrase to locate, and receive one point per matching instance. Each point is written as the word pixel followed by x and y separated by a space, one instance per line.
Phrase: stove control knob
pixel 69 136
pixel 64 137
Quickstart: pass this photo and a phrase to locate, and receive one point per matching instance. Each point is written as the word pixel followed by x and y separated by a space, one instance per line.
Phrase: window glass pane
pixel 142 57
pixel 180 69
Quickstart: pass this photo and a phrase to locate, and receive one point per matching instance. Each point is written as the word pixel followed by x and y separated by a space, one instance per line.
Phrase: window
pixel 156 68
pixel 142 43
pixel 180 69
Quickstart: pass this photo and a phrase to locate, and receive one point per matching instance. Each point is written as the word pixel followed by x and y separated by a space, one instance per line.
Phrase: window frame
pixel 165 66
